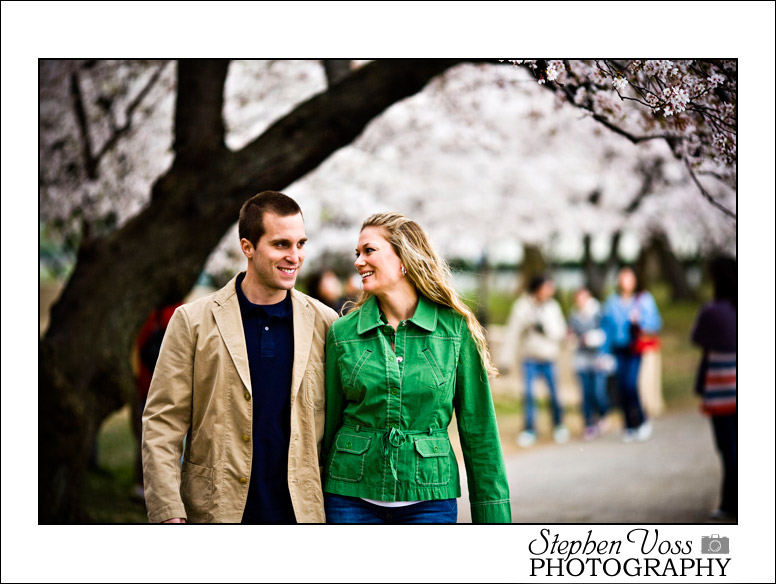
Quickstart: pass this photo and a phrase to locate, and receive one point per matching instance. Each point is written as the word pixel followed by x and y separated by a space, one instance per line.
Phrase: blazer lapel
pixel 229 321
pixel 304 325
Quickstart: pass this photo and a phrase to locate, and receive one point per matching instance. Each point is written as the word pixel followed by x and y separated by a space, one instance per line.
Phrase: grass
pixel 108 490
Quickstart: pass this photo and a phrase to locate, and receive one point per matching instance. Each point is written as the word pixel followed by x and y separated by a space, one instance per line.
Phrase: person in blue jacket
pixel 627 314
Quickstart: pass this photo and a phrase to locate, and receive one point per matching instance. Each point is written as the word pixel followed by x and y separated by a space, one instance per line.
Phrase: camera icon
pixel 715 544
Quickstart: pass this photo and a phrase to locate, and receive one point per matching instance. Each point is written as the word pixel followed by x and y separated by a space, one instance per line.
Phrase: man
pixel 241 377
pixel 536 323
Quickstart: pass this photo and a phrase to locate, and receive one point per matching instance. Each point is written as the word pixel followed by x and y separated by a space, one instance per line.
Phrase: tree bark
pixel 668 265
pixel 84 359
pixel 594 278
pixel 533 264
pixel 336 70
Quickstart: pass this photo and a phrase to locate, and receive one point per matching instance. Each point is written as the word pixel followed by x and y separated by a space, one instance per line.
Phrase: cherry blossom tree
pixel 487 160
pixel 691 104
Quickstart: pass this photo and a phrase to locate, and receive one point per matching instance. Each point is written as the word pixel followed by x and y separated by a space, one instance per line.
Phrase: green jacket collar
pixel 370 317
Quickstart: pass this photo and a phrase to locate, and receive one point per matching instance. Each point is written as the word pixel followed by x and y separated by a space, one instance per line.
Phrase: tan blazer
pixel 201 389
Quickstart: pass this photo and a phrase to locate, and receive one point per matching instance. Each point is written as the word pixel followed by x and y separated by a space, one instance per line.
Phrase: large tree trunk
pixel 666 266
pixel 533 264
pixel 336 70
pixel 84 369
pixel 594 274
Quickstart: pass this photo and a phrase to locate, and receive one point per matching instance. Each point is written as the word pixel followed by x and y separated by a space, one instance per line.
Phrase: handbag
pixel 642 342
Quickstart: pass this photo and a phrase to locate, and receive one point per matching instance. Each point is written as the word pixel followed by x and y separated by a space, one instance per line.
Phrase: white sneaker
pixel 526 438
pixel 561 434
pixel 644 431
pixel 629 435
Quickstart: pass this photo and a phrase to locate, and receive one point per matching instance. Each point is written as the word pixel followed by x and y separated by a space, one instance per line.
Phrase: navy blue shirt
pixel 269 339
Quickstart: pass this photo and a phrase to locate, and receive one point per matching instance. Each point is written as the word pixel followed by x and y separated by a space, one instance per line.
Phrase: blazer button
pixel 394 391
pixel 246 438
pixel 247 396
pixel 243 480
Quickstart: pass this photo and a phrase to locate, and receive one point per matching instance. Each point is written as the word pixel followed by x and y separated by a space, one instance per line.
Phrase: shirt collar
pixel 282 309
pixel 370 317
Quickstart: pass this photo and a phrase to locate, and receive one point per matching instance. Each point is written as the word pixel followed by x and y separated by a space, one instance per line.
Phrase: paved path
pixel 672 478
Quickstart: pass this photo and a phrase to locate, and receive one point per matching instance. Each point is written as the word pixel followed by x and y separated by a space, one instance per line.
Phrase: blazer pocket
pixel 348 457
pixel 315 385
pixel 432 464
pixel 197 491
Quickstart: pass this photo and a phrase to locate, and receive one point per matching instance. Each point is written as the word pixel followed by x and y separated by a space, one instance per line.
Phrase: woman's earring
pixel 403 271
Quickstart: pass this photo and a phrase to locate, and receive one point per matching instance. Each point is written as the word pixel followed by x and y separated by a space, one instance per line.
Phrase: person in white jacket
pixel 536 325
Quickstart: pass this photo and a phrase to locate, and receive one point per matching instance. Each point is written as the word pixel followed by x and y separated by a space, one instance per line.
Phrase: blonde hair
pixel 428 271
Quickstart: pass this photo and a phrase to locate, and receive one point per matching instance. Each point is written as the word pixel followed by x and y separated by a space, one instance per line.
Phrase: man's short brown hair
pixel 251 223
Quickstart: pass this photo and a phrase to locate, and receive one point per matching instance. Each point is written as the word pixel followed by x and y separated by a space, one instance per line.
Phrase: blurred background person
pixel 629 315
pixel 591 363
pixel 714 332
pixel 352 288
pixel 145 354
pixel 536 327
pixel 325 286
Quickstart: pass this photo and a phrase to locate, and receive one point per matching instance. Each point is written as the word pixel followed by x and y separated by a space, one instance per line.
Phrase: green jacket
pixel 387 411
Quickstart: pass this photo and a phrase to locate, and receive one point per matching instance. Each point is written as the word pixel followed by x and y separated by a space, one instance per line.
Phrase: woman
pixel 627 315
pixel 715 331
pixel 397 366
pixel 536 325
pixel 590 362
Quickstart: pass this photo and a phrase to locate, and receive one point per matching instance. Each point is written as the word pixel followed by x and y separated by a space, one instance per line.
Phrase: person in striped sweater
pixel 715 332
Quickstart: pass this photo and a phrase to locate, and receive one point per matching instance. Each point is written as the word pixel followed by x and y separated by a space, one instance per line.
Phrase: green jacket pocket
pixel 438 375
pixel 432 465
pixel 348 457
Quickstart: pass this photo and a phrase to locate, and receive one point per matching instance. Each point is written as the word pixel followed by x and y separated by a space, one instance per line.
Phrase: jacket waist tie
pixel 393 438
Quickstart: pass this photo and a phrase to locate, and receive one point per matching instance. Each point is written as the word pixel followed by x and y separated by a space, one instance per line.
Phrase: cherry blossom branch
pixel 83 126
pixel 705 193
pixel 613 127
pixel 650 173
pixel 692 101
pixel 92 161
pixel 119 131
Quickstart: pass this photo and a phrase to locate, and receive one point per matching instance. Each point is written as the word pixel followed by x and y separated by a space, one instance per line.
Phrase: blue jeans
pixel 595 401
pixel 627 377
pixel 532 369
pixel 343 509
